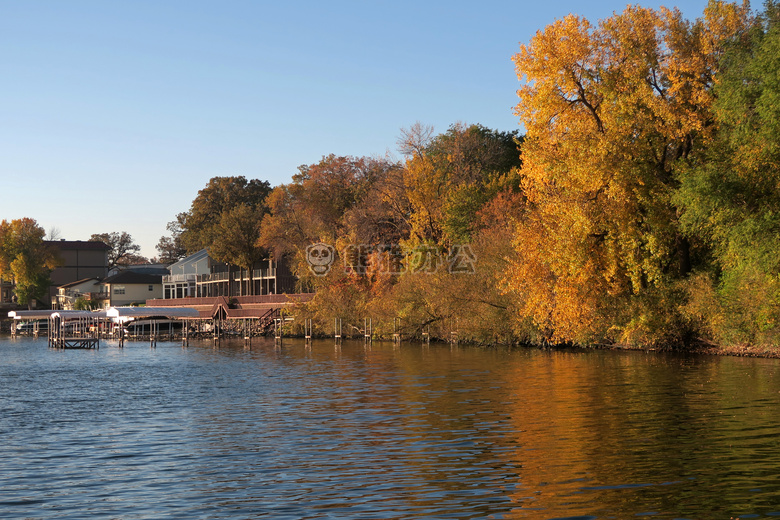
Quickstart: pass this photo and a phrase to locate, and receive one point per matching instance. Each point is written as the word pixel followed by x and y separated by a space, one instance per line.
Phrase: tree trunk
pixel 683 255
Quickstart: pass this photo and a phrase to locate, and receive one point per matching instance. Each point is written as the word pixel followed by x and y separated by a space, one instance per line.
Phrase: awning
pixel 152 312
pixel 45 314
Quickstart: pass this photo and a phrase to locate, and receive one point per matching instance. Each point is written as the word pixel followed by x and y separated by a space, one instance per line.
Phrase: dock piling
pixel 337 330
pixel 367 330
pixel 308 329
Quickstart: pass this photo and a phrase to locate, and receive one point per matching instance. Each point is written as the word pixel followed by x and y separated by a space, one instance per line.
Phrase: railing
pixel 85 295
pixel 264 273
pixel 213 277
pixel 170 278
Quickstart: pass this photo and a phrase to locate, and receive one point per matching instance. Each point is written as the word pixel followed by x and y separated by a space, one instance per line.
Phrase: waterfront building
pixel 200 276
pixel 129 288
pixel 88 289
pixel 6 294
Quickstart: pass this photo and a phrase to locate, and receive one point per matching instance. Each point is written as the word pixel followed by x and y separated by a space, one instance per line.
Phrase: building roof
pixel 160 269
pixel 194 257
pixel 79 282
pixel 35 314
pixel 148 312
pixel 79 244
pixel 113 312
pixel 132 277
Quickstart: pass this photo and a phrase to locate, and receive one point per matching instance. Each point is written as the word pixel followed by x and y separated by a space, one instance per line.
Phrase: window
pixel 119 290
pixel 151 287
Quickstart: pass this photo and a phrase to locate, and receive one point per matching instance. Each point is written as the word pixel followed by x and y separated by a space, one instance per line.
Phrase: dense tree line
pixel 644 211
pixel 641 207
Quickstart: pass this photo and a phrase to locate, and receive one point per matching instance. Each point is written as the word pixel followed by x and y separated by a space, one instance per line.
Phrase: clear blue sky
pixel 114 114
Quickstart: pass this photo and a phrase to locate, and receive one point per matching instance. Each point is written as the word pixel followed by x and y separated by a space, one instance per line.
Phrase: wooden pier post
pixel 278 331
pixel 153 334
pixel 247 329
pixel 426 334
pixel 337 330
pixel 454 332
pixel 185 333
pixel 308 330
pixel 216 329
pixel 367 330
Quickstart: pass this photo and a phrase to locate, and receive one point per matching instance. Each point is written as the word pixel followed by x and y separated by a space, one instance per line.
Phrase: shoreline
pixel 766 352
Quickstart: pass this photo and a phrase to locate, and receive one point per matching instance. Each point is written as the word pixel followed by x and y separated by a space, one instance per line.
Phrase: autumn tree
pixel 337 200
pixel 467 296
pixel 235 239
pixel 730 195
pixel 200 225
pixel 413 141
pixel 26 259
pixel 122 250
pixel 611 112
pixel 447 176
pixel 460 190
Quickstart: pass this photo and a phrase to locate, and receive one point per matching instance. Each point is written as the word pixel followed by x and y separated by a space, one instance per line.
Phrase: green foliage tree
pixel 83 304
pixel 449 177
pixel 731 196
pixel 26 259
pixel 235 239
pixel 200 225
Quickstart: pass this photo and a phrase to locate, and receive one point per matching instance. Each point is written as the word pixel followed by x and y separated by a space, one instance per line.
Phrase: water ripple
pixel 383 432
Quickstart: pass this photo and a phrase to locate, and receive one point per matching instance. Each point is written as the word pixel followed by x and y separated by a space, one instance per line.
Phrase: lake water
pixel 384 432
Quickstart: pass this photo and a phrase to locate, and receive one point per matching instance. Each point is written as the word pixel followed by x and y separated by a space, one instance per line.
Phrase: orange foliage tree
pixel 610 112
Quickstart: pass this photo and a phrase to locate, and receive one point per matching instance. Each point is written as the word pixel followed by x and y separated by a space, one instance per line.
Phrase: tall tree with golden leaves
pixel 610 111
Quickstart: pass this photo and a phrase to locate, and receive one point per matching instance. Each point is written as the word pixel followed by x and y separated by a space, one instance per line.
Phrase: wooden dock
pixel 70 329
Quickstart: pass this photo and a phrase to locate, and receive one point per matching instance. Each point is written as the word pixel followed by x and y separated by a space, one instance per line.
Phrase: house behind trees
pixel 200 276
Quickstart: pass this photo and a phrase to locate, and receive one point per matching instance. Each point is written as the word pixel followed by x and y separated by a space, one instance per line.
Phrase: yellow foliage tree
pixel 610 110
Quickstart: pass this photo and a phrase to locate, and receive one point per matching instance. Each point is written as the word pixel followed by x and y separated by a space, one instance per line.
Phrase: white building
pixel 130 288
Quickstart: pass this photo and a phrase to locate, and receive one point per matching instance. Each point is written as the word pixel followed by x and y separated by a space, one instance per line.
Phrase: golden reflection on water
pixel 612 433
pixel 408 431
pixel 553 433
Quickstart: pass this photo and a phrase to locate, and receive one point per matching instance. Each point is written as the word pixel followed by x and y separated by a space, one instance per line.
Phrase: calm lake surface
pixel 384 432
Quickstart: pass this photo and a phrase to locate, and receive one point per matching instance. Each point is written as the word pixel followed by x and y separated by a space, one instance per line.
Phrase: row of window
pixel 121 290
